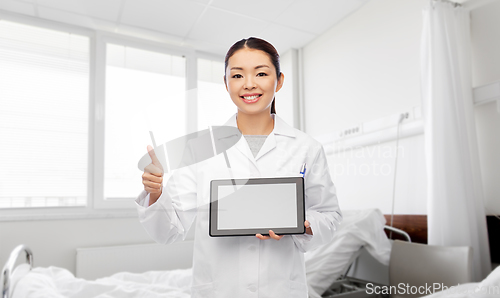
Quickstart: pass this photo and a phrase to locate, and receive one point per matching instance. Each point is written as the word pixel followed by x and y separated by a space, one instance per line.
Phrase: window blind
pixel 44 99
pixel 145 91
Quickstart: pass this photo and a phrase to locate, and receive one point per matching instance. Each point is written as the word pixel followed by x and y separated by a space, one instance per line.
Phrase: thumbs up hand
pixel 152 179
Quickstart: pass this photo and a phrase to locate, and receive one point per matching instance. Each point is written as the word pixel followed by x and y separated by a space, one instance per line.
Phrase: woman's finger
pixel 153 169
pixel 151 184
pixel 274 236
pixel 152 190
pixel 308 227
pixel 261 237
pixel 154 159
pixel 150 177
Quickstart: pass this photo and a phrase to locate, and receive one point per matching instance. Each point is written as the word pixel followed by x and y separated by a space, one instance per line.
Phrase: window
pixel 214 104
pixel 44 99
pixel 145 91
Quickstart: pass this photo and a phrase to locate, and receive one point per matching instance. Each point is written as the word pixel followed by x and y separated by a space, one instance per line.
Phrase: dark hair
pixel 257 44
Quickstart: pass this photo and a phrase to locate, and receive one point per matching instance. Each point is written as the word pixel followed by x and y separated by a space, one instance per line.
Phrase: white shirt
pixel 247 266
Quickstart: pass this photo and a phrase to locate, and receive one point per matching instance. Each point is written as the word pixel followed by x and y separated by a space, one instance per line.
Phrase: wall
pixel 54 242
pixel 368 67
pixel 485 34
pixel 364 177
pixel 285 105
pixel 364 68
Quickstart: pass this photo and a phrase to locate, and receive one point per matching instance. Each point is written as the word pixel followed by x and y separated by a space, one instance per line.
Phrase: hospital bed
pixel 359 229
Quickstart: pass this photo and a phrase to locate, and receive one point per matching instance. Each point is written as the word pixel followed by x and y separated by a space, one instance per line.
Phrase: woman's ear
pixel 280 82
pixel 225 83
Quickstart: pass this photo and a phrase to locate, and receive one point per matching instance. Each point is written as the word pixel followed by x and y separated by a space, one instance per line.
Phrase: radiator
pixel 97 262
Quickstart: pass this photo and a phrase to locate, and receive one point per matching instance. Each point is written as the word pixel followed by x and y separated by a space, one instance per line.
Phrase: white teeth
pixel 250 97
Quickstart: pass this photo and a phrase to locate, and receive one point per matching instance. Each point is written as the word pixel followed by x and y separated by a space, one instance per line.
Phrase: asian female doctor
pixel 245 266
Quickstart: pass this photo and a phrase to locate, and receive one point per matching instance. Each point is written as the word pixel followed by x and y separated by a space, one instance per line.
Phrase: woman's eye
pixel 261 74
pixel 237 76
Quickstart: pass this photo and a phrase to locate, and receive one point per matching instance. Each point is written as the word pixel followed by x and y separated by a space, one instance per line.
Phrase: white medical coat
pixel 246 266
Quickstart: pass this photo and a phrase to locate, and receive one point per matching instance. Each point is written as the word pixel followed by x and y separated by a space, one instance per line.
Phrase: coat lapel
pixel 243 147
pixel 280 128
pixel 242 144
pixel 268 145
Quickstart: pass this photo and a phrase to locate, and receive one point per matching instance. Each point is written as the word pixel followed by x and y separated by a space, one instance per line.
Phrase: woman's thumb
pixel 153 156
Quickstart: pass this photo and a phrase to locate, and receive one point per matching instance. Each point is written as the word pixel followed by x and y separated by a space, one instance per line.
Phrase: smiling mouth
pixel 251 99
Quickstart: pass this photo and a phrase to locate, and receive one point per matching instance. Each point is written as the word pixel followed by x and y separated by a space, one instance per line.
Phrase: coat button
pixel 252 288
pixel 252 248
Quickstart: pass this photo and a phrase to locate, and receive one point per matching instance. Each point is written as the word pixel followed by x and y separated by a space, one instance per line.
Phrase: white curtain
pixel 456 214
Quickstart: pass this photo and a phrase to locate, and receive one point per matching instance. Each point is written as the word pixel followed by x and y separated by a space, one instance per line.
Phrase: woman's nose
pixel 249 83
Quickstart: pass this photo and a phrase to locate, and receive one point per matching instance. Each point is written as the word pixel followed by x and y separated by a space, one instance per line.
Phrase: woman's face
pixel 251 81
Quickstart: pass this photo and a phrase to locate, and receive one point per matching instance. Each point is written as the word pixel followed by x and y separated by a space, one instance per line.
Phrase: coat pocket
pixel 298 289
pixel 203 291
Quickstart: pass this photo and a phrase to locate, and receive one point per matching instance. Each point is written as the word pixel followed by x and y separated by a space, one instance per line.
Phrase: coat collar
pixel 280 126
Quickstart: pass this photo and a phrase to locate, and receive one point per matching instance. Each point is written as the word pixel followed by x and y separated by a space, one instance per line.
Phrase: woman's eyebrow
pixel 256 67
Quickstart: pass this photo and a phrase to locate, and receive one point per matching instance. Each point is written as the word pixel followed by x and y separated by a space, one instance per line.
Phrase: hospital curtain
pixel 456 214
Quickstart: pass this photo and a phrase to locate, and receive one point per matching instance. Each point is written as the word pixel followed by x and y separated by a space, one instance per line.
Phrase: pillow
pixel 37 283
pixel 358 228
pixel 492 280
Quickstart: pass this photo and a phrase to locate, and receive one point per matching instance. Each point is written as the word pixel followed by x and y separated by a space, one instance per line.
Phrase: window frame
pixel 102 39
pixel 97 206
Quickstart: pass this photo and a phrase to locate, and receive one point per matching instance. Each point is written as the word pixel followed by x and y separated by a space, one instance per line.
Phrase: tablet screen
pixel 251 206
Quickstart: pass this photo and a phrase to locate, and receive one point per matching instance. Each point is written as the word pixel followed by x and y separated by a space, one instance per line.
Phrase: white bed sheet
pixel 57 282
pixel 358 228
pixel 488 288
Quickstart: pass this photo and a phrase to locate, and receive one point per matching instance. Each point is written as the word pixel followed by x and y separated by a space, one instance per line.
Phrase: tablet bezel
pixel 213 214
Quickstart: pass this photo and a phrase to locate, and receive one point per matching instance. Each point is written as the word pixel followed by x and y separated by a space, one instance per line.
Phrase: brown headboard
pixel 414 225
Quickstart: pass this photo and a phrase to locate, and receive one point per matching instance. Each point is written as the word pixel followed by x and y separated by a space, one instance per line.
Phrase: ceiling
pixel 206 25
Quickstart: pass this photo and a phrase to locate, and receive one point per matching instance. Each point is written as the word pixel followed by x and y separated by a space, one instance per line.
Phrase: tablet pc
pixel 245 207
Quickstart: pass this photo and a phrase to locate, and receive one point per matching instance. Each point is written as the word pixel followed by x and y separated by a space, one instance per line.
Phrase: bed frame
pixel 9 266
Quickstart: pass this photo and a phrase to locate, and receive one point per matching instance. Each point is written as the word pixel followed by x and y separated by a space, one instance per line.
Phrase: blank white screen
pixel 257 206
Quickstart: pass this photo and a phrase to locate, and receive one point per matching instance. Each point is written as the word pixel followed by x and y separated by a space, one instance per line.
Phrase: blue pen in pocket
pixel 303 169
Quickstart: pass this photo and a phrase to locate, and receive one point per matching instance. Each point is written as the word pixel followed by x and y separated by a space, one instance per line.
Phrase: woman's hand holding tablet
pixel 278 237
